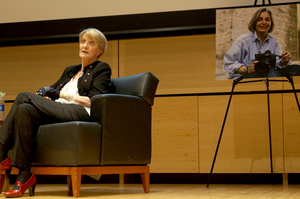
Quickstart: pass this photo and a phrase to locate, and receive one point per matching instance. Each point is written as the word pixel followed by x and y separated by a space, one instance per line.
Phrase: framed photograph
pixel 258 42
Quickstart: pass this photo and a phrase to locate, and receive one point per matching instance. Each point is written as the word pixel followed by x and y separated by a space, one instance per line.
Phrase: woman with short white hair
pixel 68 99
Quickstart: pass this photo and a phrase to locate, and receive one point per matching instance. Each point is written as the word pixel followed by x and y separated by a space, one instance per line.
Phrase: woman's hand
pixel 286 57
pixel 83 101
pixel 48 92
pixel 251 68
pixel 46 97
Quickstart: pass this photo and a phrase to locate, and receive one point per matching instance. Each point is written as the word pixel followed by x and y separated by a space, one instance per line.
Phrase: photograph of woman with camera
pixel 257 53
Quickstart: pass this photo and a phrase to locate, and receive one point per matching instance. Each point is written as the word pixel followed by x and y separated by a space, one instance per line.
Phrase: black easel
pixel 263 2
pixel 237 81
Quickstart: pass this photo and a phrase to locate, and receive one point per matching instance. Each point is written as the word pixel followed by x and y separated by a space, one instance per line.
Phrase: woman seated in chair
pixel 68 99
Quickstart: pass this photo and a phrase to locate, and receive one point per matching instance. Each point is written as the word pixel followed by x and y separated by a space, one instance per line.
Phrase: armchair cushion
pixel 68 144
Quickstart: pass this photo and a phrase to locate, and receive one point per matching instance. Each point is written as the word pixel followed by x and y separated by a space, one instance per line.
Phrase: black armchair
pixel 117 140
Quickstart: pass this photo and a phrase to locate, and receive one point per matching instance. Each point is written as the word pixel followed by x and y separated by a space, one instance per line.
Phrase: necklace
pixel 80 74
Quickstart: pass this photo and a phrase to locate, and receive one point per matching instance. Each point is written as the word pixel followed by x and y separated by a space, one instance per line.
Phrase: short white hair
pixel 96 35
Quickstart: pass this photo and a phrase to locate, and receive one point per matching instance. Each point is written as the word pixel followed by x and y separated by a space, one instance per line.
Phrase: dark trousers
pixel 27 113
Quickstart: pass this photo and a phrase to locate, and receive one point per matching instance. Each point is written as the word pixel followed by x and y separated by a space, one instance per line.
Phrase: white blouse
pixel 71 87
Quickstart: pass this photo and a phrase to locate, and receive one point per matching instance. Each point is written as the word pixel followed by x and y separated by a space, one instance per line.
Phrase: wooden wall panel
pixel 184 64
pixel 7 107
pixel 27 68
pixel 244 146
pixel 185 129
pixel 175 135
pixel 291 130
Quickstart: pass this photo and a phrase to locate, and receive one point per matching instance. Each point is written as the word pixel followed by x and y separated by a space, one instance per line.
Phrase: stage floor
pixel 168 191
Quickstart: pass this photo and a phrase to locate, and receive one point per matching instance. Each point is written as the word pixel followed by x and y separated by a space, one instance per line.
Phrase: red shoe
pixel 23 187
pixel 5 165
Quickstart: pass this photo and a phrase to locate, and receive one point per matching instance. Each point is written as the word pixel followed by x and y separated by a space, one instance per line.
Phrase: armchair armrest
pixel 126 128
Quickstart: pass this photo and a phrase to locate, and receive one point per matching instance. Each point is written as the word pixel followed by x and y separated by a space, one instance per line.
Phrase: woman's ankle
pixel 23 176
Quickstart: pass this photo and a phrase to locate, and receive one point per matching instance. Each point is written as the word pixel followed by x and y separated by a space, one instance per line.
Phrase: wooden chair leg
pixel 69 180
pixel 76 180
pixel 121 178
pixel 2 179
pixel 146 180
pixel 6 185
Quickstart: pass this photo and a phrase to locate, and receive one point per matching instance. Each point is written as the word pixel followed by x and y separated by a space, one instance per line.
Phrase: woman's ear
pixel 99 53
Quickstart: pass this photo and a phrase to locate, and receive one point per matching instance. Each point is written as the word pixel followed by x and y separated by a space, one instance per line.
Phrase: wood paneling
pixel 175 135
pixel 184 64
pixel 186 129
pixel 7 108
pixel 291 134
pixel 244 145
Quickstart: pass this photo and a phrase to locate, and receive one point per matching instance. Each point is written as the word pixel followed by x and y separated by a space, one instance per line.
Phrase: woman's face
pixel 89 49
pixel 263 24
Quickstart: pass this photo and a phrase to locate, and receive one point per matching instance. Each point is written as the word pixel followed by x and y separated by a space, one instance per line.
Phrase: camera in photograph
pixel 266 61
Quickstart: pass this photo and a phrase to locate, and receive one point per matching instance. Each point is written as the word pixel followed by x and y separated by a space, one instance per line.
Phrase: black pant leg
pixel 25 128
pixel 27 113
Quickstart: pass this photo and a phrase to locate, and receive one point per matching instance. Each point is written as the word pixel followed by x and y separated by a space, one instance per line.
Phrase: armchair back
pixel 143 85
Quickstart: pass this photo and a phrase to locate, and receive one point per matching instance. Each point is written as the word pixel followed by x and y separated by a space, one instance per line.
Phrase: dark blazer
pixel 95 79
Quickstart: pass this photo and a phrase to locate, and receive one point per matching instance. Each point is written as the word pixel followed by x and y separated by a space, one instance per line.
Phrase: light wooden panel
pixel 184 64
pixel 7 108
pixel 291 129
pixel 244 146
pixel 27 68
pixel 175 135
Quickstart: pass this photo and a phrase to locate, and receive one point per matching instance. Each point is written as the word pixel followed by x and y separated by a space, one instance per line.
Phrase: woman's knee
pixel 25 108
pixel 24 95
pixel 26 112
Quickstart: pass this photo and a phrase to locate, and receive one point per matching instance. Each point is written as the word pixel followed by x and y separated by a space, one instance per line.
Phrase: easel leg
pixel 292 83
pixel 224 121
pixel 285 179
pixel 269 122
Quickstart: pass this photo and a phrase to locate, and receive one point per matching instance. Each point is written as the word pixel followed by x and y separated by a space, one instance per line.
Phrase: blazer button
pixel 85 80
pixel 61 84
pixel 91 66
pixel 88 73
